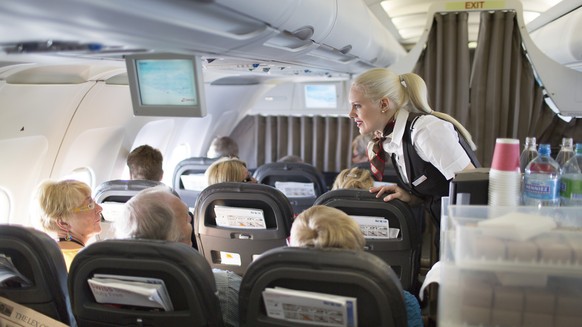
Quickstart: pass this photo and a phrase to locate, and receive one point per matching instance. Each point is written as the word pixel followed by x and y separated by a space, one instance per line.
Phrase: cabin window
pixel 4 207
pixel 179 153
pixel 83 174
pixel 320 96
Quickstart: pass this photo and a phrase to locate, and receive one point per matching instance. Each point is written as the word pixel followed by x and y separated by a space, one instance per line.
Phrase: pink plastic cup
pixel 506 155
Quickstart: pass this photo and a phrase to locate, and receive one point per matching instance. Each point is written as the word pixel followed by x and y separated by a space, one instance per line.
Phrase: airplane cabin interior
pixel 82 83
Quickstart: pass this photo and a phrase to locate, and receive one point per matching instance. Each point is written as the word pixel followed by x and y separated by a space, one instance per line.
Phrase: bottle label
pixel 571 188
pixel 541 188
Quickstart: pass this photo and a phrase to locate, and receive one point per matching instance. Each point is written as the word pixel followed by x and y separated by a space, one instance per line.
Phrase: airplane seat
pixel 401 252
pixel 38 258
pixel 361 275
pixel 189 178
pixel 112 194
pixel 279 174
pixel 120 190
pixel 185 273
pixel 236 222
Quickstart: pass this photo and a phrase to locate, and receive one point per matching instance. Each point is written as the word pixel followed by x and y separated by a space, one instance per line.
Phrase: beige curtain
pixel 445 65
pixel 499 96
pixel 323 141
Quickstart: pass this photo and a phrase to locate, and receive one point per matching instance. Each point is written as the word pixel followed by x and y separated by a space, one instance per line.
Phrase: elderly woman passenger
pixel 69 212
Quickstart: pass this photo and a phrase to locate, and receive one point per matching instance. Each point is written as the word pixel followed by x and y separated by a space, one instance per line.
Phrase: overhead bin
pixel 337 31
pixel 560 39
pixel 301 25
pixel 358 32
pixel 295 16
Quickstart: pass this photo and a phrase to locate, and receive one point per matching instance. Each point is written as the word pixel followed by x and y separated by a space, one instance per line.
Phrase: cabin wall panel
pixel 21 171
pixel 35 119
pixel 101 134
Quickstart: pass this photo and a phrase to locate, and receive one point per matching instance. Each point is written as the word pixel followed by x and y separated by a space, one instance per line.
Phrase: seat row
pixel 190 282
pixel 235 247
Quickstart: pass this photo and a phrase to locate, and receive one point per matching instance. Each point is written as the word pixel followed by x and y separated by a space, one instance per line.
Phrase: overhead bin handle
pixel 289 42
pixel 264 29
pixel 331 54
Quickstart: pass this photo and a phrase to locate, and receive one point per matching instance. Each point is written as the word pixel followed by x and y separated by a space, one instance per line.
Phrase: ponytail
pixel 418 95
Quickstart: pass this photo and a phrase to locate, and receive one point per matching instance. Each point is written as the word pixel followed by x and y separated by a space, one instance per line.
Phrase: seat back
pixel 120 190
pixel 271 173
pixel 329 271
pixel 190 170
pixel 38 257
pixel 186 275
pixel 234 247
pixel 401 253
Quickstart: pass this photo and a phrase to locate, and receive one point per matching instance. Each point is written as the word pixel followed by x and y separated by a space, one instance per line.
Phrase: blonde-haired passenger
pixel 357 178
pixel 69 212
pixel 228 169
pixel 327 227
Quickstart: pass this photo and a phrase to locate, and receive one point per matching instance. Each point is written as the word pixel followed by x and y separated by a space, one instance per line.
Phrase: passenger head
pixel 223 147
pixel 228 170
pixel 156 214
pixel 68 210
pixel 145 162
pixel 377 94
pixel 291 158
pixel 360 148
pixel 326 227
pixel 354 178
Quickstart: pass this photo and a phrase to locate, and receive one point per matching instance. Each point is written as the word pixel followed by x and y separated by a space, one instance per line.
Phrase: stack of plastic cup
pixel 505 176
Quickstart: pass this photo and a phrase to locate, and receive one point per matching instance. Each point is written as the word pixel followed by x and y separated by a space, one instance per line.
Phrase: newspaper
pixel 376 227
pixel 13 314
pixel 311 308
pixel 234 217
pixel 296 189
pixel 131 290
pixel 194 182
pixel 112 211
pixel 10 276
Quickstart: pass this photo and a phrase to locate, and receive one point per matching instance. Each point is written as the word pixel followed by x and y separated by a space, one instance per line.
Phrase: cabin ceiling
pixel 107 30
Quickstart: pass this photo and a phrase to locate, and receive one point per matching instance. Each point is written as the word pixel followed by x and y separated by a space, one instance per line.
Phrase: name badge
pixel 419 180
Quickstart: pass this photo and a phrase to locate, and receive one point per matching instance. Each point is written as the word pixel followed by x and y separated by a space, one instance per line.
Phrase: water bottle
pixel 541 180
pixel 571 180
pixel 528 154
pixel 566 151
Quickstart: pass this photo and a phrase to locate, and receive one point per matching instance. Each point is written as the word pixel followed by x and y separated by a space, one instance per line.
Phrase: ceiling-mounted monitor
pixel 166 84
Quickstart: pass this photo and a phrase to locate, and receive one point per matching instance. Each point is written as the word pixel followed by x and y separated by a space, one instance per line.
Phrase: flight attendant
pixel 424 145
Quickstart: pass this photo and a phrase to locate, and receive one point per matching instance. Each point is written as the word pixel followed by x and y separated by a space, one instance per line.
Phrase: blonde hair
pixel 407 91
pixel 353 178
pixel 57 199
pixel 326 227
pixel 226 170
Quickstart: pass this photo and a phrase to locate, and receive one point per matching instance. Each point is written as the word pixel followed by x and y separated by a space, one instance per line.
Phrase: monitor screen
pixel 163 84
pixel 320 96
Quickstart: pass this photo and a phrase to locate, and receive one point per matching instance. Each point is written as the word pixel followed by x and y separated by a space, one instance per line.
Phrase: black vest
pixel 425 180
